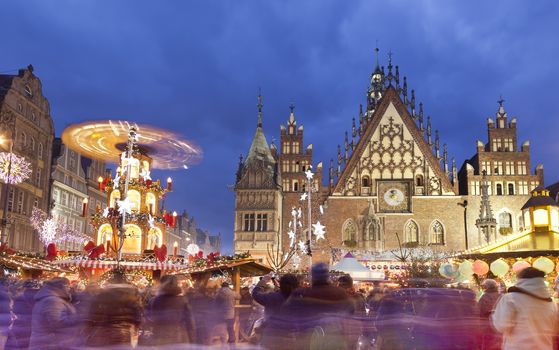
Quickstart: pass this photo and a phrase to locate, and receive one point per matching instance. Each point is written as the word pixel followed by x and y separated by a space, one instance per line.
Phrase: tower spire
pixel 259 105
pixel 429 141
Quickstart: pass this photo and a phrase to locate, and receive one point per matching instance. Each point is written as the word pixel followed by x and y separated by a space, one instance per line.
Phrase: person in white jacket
pixel 526 315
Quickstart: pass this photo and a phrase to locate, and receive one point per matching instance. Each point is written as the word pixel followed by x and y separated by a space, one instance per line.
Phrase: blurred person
pixel 354 326
pixel 491 340
pixel 225 300
pixel 115 314
pixel 53 317
pixel 22 313
pixel 170 315
pixel 374 297
pixel 526 314
pixel 314 313
pixel 5 310
pixel 202 306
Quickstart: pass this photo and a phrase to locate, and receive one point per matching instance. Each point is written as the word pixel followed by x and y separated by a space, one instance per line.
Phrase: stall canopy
pixel 28 263
pixel 356 270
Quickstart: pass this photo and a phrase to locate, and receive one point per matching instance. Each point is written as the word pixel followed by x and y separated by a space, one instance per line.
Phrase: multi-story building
pixel 187 232
pixel 75 187
pixel 25 121
pixel 393 184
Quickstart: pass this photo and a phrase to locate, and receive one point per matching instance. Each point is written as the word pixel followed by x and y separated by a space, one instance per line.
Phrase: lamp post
pixel 4 234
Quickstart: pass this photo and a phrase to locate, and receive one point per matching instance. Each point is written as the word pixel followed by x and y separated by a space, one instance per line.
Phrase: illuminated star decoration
pixel 150 221
pixel 106 212
pixel 304 196
pixel 302 246
pixel 124 207
pixel 116 182
pixel 18 171
pixel 144 173
pixel 309 174
pixel 318 230
pixel 291 235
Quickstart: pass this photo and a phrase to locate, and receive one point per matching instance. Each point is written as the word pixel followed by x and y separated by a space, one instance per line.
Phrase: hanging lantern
pixel 544 264
pixel 499 267
pixel 466 268
pixel 480 267
pixel 520 265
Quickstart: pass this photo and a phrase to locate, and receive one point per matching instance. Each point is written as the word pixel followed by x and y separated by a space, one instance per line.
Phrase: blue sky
pixel 195 67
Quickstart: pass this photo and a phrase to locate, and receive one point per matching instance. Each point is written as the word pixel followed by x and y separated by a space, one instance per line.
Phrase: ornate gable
pixel 392 148
pixel 257 175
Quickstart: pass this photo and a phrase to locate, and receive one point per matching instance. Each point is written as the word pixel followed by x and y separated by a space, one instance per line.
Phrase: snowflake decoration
pixel 125 206
pixel 37 219
pixel 192 249
pixel 302 246
pixel 318 230
pixel 116 181
pixel 304 196
pixel 17 172
pixel 47 233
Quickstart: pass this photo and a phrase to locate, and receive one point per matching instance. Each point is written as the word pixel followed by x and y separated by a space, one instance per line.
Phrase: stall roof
pixel 248 268
pixel 29 263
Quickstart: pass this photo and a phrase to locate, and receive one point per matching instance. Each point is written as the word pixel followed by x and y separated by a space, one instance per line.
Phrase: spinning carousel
pixel 133 223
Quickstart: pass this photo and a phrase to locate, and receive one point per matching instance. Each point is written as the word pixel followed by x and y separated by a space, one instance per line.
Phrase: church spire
pixel 259 105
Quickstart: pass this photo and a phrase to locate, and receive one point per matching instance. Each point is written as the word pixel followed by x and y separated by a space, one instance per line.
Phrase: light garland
pixel 51 231
pixel 13 168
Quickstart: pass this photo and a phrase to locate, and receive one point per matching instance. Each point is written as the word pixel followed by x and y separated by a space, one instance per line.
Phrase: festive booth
pixel 28 266
pixel 349 264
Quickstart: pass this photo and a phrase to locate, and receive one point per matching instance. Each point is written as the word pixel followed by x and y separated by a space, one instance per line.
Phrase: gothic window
pixel 296 167
pixel 286 148
pixel 437 232
pixel 505 223
pixel 40 151
pixel 249 222
pixel 32 143
pixel 411 233
pixel 419 180
pixel 365 181
pixel 349 232
pixel 511 189
pixel 261 222
pixel 295 186
pixel 499 189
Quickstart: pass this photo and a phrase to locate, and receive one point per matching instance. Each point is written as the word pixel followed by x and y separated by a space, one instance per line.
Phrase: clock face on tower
pixel 394 196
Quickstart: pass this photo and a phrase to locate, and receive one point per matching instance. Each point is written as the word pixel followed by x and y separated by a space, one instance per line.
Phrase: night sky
pixel 196 66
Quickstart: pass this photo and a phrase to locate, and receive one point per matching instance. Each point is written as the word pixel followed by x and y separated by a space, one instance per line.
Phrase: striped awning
pixel 130 265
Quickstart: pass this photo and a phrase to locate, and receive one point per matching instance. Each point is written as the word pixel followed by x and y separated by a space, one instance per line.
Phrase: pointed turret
pixel 259 149
pixel 420 118
pixel 486 222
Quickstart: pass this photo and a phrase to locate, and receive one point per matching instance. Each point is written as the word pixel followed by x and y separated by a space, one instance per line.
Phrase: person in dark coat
pixel 53 317
pixel 115 314
pixel 491 340
pixel 22 308
pixel 170 315
pixel 5 309
pixel 314 313
pixel 203 310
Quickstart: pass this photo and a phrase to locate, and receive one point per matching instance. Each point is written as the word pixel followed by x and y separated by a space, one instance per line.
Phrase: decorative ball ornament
pixel 18 171
pixel 466 268
pixel 449 270
pixel 192 249
pixel 480 267
pixel 520 265
pixel 499 267
pixel 544 264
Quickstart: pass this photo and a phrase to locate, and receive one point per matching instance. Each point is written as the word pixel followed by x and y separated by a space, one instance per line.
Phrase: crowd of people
pixel 326 312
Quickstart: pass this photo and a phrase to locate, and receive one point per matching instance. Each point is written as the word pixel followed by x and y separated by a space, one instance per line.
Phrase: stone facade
pixel 392 183
pixel 25 120
pixel 75 179
pixel 187 232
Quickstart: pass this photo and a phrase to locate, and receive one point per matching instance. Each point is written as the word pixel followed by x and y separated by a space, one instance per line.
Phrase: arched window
pixel 349 232
pixel 411 233
pixel 505 223
pixel 295 186
pixel 40 151
pixel 436 232
pixel 511 189
pixel 499 190
pixel 32 143
pixel 365 181
pixel 115 195
pixel 134 197
pixel 150 203
pixel 23 139
pixel 419 180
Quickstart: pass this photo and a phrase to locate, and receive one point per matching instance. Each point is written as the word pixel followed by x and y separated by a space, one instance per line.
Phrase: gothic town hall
pixel 392 183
